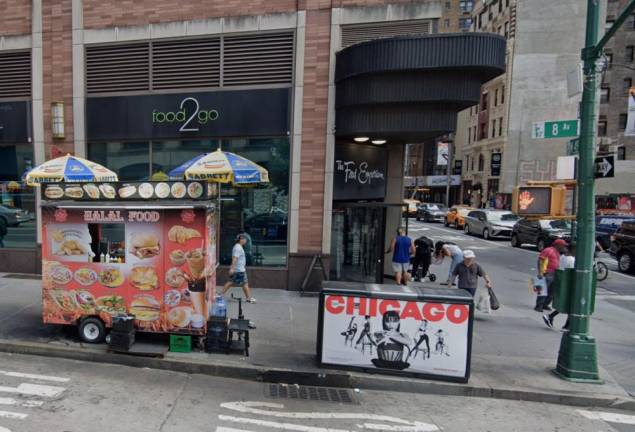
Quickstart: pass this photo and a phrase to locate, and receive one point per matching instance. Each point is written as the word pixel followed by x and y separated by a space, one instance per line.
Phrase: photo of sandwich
pixel 195 190
pixel 146 190
pixel 177 257
pixel 144 278
pixel 180 234
pixel 127 191
pixel 65 300
pixel 74 192
pixel 145 308
pixel 92 191
pixel 144 245
pixel 53 192
pixel 162 190
pixel 71 247
pixel 107 191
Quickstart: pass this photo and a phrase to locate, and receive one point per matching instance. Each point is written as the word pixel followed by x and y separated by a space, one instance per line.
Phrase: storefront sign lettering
pixel 433 312
pixel 359 174
pixel 143 216
pixel 103 216
pixel 189 111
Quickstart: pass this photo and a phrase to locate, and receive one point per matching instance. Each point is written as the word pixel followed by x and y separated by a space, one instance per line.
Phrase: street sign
pixel 555 129
pixel 605 167
pixel 573 147
pixel 495 164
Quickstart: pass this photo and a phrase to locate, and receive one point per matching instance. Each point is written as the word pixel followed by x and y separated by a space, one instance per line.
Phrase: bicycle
pixel 601 269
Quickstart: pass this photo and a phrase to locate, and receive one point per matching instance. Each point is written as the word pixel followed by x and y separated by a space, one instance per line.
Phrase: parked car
pixel 431 212
pixel 490 223
pixel 14 216
pixel 541 233
pixel 456 216
pixel 607 225
pixel 411 204
pixel 623 247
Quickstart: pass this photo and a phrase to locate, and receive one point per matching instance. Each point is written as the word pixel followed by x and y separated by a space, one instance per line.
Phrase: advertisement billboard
pixel 406 336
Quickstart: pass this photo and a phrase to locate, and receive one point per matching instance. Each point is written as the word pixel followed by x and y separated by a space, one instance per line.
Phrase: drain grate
pixel 313 393
pixel 22 276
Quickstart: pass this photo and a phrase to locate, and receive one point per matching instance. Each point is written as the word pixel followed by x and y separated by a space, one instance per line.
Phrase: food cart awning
pixel 147 205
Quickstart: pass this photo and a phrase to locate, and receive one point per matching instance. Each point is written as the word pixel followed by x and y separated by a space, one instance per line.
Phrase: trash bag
pixel 493 300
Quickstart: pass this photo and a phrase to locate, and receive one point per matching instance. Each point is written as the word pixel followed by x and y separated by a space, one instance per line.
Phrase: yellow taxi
pixel 456 216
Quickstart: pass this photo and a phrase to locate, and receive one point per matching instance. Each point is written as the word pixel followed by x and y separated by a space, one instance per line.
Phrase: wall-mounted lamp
pixel 360 139
pixel 379 141
pixel 57 119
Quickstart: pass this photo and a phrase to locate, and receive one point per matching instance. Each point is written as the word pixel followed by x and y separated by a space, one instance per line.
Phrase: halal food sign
pixel 189 115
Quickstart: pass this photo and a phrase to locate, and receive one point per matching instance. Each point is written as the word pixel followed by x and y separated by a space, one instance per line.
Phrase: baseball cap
pixel 468 254
pixel 560 242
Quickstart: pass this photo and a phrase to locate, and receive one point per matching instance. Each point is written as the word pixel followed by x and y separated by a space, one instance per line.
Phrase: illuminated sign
pixel 534 200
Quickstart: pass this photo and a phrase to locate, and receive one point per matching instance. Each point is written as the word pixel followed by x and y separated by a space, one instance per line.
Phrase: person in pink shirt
pixel 548 263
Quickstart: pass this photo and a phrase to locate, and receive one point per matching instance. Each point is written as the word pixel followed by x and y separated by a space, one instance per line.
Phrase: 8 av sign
pixel 605 167
pixel 555 129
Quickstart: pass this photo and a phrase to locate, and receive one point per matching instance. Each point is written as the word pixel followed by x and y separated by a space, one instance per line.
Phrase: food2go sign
pixel 189 114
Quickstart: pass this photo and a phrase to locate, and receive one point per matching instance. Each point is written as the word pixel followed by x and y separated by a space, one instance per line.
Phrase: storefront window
pixel 261 211
pixel 17 205
pixel 130 160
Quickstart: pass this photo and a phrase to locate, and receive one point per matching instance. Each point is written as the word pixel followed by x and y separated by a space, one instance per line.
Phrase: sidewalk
pixel 504 364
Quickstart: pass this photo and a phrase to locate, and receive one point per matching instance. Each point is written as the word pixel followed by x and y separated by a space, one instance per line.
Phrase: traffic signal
pixel 539 200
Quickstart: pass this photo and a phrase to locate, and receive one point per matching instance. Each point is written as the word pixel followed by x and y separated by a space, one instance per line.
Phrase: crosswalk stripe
pixel 34 390
pixel 226 429
pixel 13 415
pixel 26 403
pixel 277 425
pixel 608 417
pixel 34 376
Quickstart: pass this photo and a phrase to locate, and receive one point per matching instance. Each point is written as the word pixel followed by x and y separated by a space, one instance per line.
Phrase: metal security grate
pixel 258 59
pixel 186 64
pixel 15 74
pixel 212 62
pixel 313 393
pixel 354 34
pixel 118 68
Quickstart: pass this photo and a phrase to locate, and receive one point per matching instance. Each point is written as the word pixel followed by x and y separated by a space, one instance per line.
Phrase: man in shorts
pixel 238 270
pixel 402 249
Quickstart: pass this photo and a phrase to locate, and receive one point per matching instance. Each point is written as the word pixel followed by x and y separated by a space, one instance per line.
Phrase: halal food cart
pixel 142 248
pixel 416 330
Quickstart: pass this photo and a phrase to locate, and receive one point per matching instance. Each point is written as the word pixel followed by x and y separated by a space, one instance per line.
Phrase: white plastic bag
pixel 540 286
pixel 482 301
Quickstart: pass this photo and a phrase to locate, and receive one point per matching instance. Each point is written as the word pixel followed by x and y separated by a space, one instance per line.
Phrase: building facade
pixel 494 139
pixel 143 86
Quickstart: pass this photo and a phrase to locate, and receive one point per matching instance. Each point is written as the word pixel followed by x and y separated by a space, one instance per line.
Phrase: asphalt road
pixel 510 269
pixel 39 394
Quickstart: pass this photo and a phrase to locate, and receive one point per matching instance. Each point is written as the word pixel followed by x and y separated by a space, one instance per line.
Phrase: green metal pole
pixel 577 359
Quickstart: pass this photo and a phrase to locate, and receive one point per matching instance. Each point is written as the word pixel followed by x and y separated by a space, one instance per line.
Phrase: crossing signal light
pixel 539 200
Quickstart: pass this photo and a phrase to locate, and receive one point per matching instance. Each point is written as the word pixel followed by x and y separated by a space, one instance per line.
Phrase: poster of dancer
pixel 415 337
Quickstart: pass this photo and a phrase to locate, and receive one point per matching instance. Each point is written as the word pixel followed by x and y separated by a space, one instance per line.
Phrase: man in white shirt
pixel 238 270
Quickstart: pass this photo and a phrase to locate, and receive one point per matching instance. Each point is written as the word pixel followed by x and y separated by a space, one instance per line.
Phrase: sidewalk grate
pixel 313 393
pixel 21 276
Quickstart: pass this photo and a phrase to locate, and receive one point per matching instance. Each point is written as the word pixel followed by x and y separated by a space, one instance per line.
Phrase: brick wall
pixel 100 13
pixel 15 17
pixel 57 71
pixel 316 74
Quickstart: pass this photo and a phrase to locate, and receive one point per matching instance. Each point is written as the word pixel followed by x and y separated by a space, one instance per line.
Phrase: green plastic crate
pixel 180 343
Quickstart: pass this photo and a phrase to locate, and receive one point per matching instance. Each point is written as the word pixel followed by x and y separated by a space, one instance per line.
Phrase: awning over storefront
pixel 411 88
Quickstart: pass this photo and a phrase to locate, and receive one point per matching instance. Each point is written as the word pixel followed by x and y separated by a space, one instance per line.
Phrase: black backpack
pixel 424 245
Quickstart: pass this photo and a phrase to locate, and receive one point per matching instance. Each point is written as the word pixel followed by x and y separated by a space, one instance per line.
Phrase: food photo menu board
pixel 159 268
pixel 190 190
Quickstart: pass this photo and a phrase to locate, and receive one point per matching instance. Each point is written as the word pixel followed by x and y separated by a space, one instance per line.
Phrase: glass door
pixel 357 244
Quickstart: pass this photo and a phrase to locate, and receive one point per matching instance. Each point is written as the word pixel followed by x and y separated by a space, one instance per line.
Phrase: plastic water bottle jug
pixel 220 307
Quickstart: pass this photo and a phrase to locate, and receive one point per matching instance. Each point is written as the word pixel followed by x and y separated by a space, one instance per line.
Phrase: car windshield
pixel 435 207
pixel 555 224
pixel 503 217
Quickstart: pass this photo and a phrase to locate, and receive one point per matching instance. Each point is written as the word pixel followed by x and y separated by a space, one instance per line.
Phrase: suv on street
pixel 455 216
pixel 623 247
pixel 540 232
pixel 431 212
pixel 490 223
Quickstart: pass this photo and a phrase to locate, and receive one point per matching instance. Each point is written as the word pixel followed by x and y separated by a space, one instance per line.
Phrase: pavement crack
pixel 176 400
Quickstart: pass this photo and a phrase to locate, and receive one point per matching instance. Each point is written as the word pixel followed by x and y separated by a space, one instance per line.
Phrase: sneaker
pixel 538 309
pixel 548 321
pixel 251 300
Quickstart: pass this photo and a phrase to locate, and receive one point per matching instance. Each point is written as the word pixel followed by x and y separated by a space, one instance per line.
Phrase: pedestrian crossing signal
pixel 539 200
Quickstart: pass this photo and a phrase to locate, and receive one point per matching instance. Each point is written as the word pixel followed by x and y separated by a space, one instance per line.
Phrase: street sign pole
pixel 577 359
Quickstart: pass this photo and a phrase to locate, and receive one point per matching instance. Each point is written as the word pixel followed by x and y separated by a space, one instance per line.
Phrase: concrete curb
pixel 327 378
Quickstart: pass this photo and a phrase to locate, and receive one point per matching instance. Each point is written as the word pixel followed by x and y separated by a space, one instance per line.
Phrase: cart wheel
pixel 432 277
pixel 92 330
